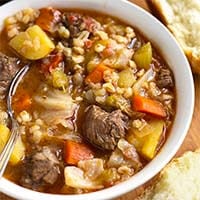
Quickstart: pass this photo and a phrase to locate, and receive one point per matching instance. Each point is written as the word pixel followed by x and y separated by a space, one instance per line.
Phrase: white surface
pixel 159 35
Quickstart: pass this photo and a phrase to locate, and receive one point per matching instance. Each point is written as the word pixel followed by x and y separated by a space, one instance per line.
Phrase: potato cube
pixel 32 44
pixel 19 149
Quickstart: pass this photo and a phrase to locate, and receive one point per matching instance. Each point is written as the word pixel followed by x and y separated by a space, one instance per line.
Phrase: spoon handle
pixel 6 153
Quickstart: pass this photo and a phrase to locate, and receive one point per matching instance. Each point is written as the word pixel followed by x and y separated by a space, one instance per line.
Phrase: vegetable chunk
pixel 59 79
pixel 19 149
pixel 48 18
pixel 143 104
pixel 74 152
pixel 32 44
pixel 143 56
pixel 147 139
pixel 53 62
pixel 151 141
pixel 126 78
pixel 96 76
pixel 74 177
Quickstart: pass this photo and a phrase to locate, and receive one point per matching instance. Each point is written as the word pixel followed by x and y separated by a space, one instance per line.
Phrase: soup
pixel 95 107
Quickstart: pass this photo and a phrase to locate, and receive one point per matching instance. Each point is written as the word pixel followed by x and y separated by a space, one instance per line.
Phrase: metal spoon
pixel 6 153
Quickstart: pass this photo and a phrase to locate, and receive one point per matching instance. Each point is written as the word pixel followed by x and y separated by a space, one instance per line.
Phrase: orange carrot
pixel 74 152
pixel 48 18
pixel 143 104
pixel 22 101
pixel 96 76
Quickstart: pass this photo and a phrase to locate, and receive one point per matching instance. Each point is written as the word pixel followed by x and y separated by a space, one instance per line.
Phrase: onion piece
pixel 74 177
pixel 149 75
pixel 53 99
pixel 92 168
pixel 58 106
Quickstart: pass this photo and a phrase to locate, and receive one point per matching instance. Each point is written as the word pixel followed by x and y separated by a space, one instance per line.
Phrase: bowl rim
pixel 19 192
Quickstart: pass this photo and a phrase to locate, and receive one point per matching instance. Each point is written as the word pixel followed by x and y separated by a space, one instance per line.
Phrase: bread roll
pixel 179 180
pixel 182 17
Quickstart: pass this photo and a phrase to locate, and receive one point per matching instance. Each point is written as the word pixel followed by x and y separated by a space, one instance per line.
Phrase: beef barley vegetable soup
pixel 95 107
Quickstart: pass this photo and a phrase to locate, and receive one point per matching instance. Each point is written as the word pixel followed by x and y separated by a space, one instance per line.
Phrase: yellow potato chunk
pixel 19 149
pixel 147 140
pixel 32 44
pixel 151 141
pixel 4 135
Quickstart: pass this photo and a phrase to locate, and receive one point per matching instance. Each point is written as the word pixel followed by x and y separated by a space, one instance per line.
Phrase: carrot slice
pixel 143 104
pixel 74 152
pixel 22 101
pixel 96 76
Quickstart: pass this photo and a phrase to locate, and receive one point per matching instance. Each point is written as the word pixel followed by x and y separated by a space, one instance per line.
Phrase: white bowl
pixel 171 52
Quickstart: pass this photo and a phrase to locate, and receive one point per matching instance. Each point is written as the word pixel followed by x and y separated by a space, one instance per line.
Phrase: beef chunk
pixel 40 169
pixel 8 68
pixel 103 129
pixel 164 78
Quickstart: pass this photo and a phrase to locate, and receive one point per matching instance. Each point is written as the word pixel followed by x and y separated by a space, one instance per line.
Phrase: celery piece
pixel 59 79
pixel 143 56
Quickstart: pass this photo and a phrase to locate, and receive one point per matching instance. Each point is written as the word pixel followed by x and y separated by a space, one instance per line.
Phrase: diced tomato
pixel 51 62
pixel 88 43
pixel 72 18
